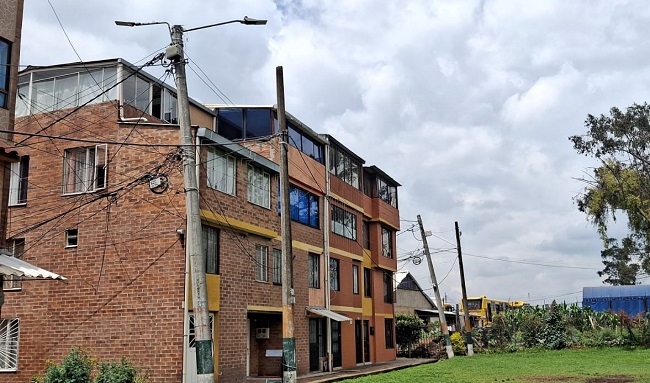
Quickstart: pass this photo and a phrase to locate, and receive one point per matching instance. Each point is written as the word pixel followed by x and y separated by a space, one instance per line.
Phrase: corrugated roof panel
pixel 14 266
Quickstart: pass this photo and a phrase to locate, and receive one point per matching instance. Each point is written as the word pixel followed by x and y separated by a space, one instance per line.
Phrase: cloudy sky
pixel 468 104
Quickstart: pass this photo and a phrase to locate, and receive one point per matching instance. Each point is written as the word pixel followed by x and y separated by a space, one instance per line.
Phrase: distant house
pixel 630 299
pixel 410 299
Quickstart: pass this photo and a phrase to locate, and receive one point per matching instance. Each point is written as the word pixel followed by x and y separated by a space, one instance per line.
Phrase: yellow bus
pixel 518 304
pixel 484 309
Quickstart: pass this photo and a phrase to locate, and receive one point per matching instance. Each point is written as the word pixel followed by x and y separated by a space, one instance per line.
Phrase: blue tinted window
pixel 313 210
pixel 231 123
pixel 5 61
pixel 295 139
pixel 258 123
pixel 304 206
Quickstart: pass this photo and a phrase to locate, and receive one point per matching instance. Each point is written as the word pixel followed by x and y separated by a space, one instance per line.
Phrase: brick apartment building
pixel 104 205
pixel 11 17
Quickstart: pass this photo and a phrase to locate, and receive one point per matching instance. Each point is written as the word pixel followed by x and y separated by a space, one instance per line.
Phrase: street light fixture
pixel 193 247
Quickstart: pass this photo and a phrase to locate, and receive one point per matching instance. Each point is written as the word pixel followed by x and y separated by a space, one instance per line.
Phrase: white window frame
pixel 9 341
pixel 88 174
pixel 386 242
pixel 18 182
pixel 17 248
pixel 259 187
pixel 261 263
pixel 222 172
pixel 277 266
pixel 72 238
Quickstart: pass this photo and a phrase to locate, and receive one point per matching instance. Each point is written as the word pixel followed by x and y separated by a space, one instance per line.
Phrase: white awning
pixel 13 266
pixel 322 311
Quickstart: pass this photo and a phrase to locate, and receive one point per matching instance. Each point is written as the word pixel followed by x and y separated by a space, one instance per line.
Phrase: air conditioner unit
pixel 262 333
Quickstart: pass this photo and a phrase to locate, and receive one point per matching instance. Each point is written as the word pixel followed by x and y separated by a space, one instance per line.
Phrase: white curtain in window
pixel 259 187
pixel 221 172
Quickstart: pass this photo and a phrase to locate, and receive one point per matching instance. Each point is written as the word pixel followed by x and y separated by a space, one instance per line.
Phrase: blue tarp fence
pixel 631 299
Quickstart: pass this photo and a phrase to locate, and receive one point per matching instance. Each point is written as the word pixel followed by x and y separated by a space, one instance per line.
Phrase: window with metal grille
pixel 9 331
pixel 17 248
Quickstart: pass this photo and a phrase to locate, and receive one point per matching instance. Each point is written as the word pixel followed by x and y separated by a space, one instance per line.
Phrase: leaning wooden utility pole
pixel 203 336
pixel 468 325
pixel 288 294
pixel 436 291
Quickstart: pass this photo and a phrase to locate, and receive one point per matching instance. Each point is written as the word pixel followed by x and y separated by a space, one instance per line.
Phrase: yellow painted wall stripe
pixel 264 309
pixel 236 224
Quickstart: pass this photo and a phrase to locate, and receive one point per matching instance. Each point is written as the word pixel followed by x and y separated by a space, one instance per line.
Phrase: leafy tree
pixel 619 268
pixel 554 335
pixel 408 330
pixel 621 184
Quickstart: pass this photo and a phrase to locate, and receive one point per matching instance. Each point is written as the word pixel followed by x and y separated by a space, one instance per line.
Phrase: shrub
pixel 76 367
pixel 458 343
pixel 554 335
pixel 79 367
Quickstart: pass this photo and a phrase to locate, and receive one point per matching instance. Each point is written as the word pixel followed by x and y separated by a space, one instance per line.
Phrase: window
pixel 240 123
pixel 5 67
pixel 71 238
pixel 9 330
pixel 17 248
pixel 387 192
pixel 304 206
pixel 314 271
pixel 210 239
pixel 64 88
pixel 355 279
pixel 304 143
pixel 388 331
pixel 386 242
pixel 191 335
pixel 277 266
pixel 136 93
pixel 18 182
pixel 334 274
pixel 261 263
pixel 84 169
pixel 344 223
pixel 259 187
pixel 221 171
pixel 367 282
pixel 388 287
pixel 366 234
pixel 344 167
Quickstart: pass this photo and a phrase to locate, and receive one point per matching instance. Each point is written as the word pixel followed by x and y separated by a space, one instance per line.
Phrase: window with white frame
pixel 191 335
pixel 344 223
pixel 221 171
pixel 261 263
pixel 259 187
pixel 71 238
pixel 18 182
pixel 17 248
pixel 355 279
pixel 386 242
pixel 9 331
pixel 84 169
pixel 277 266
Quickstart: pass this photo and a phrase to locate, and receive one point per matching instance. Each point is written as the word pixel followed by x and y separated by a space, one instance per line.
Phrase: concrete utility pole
pixel 434 283
pixel 468 326
pixel 288 294
pixel 203 336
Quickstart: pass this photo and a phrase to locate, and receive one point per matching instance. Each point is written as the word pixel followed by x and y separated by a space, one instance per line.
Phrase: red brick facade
pixel 127 292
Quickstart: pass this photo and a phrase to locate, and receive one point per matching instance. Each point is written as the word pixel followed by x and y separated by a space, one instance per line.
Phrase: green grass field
pixel 606 365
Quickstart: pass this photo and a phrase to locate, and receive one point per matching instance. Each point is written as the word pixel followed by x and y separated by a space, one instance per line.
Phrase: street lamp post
pixel 194 250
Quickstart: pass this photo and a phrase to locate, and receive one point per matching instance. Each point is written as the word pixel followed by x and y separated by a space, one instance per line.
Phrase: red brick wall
pixel 124 296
